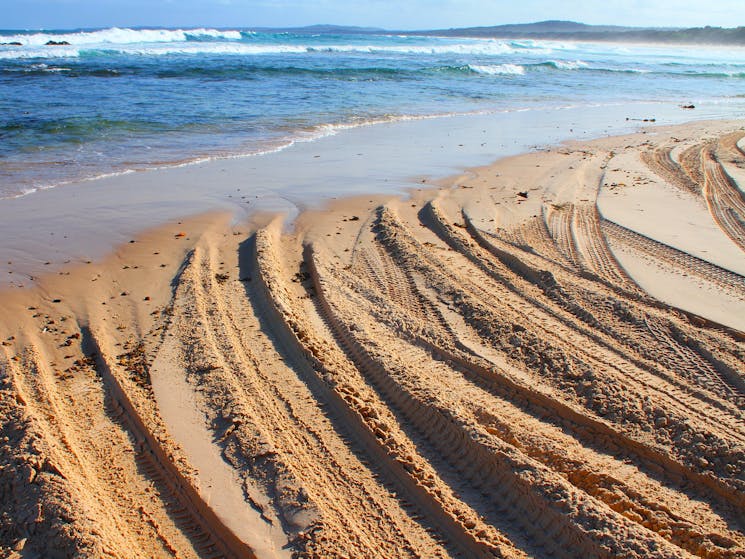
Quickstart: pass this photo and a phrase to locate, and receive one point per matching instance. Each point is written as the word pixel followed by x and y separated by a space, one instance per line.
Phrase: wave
pixel 253 69
pixel 263 146
pixel 94 63
pixel 121 36
pixel 567 64
pixel 35 134
pixel 174 42
pixel 41 69
pixel 32 53
pixel 498 69
pixel 550 65
pixel 256 70
pixel 726 74
pixel 155 50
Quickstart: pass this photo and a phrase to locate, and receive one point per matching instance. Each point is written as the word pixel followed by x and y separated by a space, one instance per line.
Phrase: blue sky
pixel 390 14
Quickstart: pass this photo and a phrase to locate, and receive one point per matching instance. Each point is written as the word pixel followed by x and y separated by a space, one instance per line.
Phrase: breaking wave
pixel 120 36
pixel 498 69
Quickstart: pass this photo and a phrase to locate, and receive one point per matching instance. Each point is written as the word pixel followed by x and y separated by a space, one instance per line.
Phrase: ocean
pixel 114 101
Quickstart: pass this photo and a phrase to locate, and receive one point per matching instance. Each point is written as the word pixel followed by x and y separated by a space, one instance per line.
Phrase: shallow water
pixel 117 100
pixel 85 220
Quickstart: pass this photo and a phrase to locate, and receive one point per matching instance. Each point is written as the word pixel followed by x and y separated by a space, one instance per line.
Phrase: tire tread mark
pixel 204 526
pixel 314 370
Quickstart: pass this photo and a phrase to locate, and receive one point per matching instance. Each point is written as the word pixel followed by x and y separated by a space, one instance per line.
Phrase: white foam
pixel 498 69
pixel 165 42
pixel 310 134
pixel 46 52
pixel 208 48
pixel 119 36
pixel 487 48
pixel 568 64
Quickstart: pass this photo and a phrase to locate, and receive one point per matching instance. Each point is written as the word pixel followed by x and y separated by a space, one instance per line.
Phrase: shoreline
pixel 720 253
pixel 417 188
pixel 321 131
pixel 84 221
pixel 505 339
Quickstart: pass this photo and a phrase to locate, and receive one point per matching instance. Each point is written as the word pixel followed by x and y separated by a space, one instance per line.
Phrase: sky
pixel 389 14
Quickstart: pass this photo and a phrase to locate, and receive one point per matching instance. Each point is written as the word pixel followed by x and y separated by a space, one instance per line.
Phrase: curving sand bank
pixel 537 359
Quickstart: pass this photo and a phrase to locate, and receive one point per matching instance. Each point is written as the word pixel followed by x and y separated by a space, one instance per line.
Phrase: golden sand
pixel 514 364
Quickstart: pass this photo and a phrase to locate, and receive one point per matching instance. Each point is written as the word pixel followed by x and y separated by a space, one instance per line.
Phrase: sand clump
pixel 484 369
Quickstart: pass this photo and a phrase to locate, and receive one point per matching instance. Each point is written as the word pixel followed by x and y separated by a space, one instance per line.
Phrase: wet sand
pixel 86 220
pixel 542 357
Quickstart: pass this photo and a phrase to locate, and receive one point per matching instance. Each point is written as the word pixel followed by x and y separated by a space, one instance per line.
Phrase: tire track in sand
pixel 211 537
pixel 547 360
pixel 594 476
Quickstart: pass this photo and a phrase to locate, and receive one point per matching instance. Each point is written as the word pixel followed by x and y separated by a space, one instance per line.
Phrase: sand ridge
pixel 468 372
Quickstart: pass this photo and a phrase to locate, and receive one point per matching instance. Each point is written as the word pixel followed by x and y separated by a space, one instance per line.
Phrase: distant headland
pixel 571 30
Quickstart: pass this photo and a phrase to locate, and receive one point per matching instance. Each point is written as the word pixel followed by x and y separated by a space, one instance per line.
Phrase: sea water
pixel 114 101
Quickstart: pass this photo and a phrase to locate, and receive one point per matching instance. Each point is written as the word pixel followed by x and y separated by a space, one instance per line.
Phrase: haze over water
pixel 115 100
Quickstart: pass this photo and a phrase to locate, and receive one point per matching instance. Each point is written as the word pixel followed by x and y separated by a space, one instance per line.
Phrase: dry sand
pixel 542 358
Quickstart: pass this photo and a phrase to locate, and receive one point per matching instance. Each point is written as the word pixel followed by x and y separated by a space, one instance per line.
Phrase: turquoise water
pixel 116 100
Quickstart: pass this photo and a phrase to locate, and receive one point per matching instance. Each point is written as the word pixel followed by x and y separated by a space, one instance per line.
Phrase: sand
pixel 542 357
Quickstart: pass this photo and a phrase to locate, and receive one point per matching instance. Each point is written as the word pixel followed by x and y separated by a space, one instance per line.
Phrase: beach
pixel 537 356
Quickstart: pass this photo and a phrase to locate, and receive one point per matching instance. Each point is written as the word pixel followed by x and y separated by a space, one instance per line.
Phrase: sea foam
pixel 498 69
pixel 119 36
pixel 159 42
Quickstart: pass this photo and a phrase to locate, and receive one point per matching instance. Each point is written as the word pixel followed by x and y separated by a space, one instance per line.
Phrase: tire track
pixel 569 300
pixel 302 453
pixel 661 161
pixel 396 366
pixel 692 164
pixel 595 481
pixel 622 316
pixel 701 173
pixel 728 147
pixel 699 368
pixel 725 200
pixel 596 255
pixel 544 358
pixel 726 279
pixel 534 237
pixel 458 533
pixel 209 534
pixel 559 221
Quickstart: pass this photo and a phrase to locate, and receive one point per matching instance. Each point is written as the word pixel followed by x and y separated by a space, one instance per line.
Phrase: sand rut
pixel 394 388
pixel 621 314
pixel 545 358
pixel 559 221
pixel 725 200
pixel 517 427
pixel 365 420
pixel 661 161
pixel 701 171
pixel 411 383
pixel 673 257
pixel 210 536
pixel 620 320
pixel 286 426
pixel 470 459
